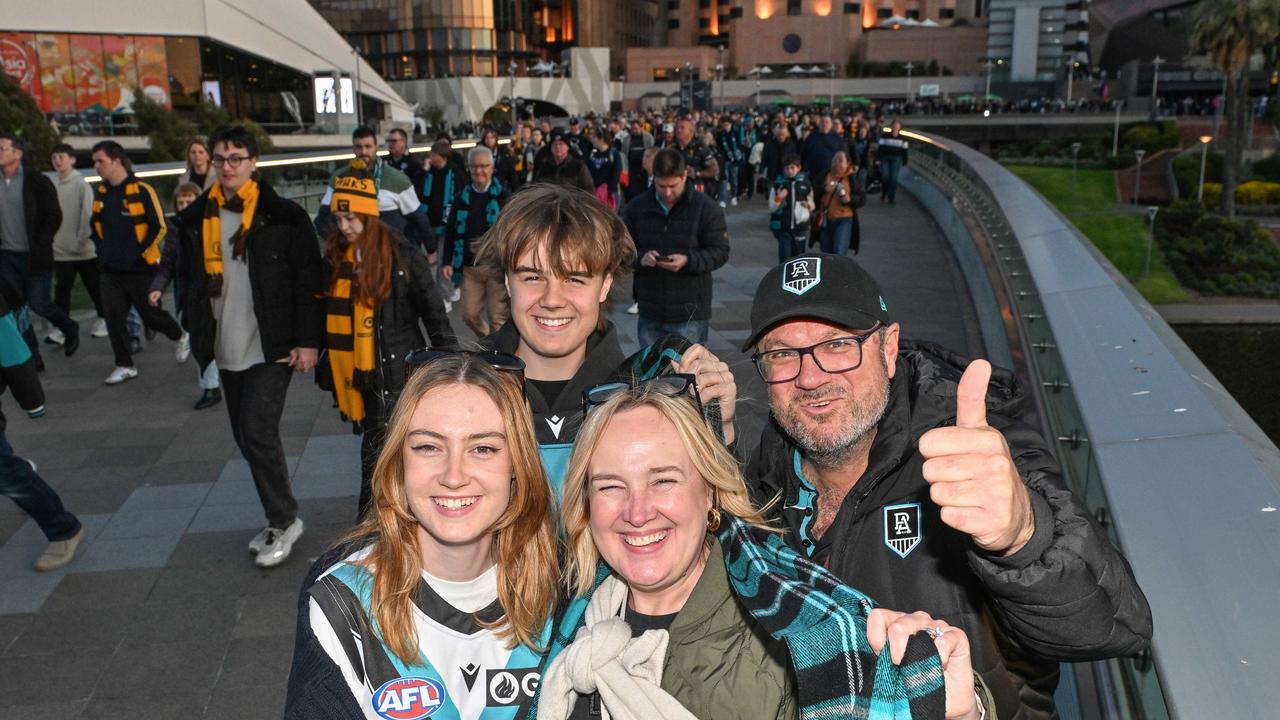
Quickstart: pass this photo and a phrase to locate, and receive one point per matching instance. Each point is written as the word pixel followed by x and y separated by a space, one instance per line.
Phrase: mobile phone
pixel 665 258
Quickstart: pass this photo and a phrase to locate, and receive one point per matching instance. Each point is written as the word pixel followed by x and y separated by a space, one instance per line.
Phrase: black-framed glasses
pixel 837 355
pixel 494 359
pixel 673 385
pixel 232 160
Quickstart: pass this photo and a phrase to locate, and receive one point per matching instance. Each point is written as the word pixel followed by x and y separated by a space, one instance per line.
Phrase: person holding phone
pixel 681 238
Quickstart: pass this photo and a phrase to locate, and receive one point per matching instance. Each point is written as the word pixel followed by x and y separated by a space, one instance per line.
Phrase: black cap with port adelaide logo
pixel 817 286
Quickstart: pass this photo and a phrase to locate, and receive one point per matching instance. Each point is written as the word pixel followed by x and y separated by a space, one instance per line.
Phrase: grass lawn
pixel 1120 235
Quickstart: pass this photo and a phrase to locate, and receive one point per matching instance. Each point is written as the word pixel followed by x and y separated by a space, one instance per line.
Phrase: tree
pixel 168 133
pixel 209 117
pixel 1230 32
pixel 20 116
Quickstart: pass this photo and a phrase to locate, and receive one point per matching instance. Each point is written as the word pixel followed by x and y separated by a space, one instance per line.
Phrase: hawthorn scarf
pixel 245 202
pixel 349 329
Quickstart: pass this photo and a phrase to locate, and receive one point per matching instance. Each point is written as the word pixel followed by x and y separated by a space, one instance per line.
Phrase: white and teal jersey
pixel 466 672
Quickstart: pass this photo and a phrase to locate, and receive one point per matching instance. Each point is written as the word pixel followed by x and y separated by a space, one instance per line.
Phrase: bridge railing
pixel 1184 481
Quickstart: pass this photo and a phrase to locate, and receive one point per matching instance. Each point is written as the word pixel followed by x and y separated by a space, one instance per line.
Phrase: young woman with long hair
pixel 441 598
pixel 380 287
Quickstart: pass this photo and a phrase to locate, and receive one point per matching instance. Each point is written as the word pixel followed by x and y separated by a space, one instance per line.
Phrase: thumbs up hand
pixel 971 473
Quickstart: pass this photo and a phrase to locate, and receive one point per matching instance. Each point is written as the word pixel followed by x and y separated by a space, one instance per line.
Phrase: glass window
pixel 459 39
pixel 439 39
pixel 420 40
pixel 393 42
pixel 483 67
pixel 484 39
pixel 462 65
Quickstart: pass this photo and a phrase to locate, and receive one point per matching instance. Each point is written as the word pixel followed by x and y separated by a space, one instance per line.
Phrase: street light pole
pixel 1115 137
pixel 910 67
pixel 1071 76
pixel 1137 178
pixel 1151 233
pixel 833 87
pixel 355 93
pixel 1204 154
pixel 1075 154
pixel 1155 83
pixel 988 65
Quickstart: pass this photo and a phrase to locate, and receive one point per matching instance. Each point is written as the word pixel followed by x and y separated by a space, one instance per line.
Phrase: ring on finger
pixel 935 632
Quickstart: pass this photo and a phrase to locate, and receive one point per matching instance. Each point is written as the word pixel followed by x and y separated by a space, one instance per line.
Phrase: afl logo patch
pixel 411 698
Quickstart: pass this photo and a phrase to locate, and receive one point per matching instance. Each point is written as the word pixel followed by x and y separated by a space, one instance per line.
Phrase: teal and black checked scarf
pixel 824 624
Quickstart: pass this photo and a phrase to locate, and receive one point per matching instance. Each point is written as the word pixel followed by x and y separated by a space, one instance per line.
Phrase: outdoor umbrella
pixel 820 101
pixel 856 100
pixel 796 70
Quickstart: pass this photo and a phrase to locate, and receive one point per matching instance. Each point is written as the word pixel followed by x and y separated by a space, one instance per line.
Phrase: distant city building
pixel 87 62
pixel 784 33
pixel 1035 40
pixel 416 39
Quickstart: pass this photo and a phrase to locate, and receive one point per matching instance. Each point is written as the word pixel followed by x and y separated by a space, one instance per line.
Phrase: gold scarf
pixel 245 202
pixel 349 325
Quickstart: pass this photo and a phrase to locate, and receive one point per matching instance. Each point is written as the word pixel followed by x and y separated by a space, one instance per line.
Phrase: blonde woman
pixel 452 577
pixel 704 611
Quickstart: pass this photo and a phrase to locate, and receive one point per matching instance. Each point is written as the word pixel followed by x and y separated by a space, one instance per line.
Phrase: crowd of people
pixel 546 526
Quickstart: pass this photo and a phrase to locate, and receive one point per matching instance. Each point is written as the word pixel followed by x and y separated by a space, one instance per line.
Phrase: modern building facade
pixel 1036 40
pixel 423 39
pixel 783 33
pixel 278 63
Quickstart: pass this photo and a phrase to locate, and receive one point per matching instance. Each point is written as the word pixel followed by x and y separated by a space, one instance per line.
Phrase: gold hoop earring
pixel 713 520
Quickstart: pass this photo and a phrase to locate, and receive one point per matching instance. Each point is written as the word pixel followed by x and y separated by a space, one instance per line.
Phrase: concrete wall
pixel 641 62
pixel 803 89
pixel 587 89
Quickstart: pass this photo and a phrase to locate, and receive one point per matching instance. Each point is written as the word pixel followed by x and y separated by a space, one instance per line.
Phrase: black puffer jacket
pixel 43 216
pixel 414 296
pixel 695 227
pixel 285 271
pixel 1068 595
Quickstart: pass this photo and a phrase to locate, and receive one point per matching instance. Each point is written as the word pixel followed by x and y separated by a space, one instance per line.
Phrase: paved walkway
pixel 163 614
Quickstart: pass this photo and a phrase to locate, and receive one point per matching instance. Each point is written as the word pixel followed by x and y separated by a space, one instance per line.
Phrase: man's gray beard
pixel 828 452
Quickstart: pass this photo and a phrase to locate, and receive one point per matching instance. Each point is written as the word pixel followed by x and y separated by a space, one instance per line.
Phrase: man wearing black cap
pixel 898 465
pixel 562 166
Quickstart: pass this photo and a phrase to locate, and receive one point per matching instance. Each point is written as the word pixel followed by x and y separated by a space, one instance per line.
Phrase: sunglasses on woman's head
pixel 673 385
pixel 494 359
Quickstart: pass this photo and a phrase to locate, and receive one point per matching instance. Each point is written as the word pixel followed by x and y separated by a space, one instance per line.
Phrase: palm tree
pixel 1230 32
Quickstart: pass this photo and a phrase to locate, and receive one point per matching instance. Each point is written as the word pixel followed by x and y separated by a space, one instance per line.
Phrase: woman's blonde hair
pixel 525 542
pixel 713 462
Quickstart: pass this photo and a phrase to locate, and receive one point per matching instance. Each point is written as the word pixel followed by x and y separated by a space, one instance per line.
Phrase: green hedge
pixel 1096 147
pixel 1216 256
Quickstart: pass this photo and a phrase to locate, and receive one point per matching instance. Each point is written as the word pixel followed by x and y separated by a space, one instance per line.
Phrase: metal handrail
pixel 1182 479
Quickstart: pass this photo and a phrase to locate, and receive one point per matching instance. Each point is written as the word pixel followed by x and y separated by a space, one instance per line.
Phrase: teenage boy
pixel 560 251
pixel 73 252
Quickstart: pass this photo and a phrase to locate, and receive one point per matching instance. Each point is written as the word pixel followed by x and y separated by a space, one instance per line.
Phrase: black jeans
pixel 120 291
pixel 64 278
pixel 255 402
pixel 37 289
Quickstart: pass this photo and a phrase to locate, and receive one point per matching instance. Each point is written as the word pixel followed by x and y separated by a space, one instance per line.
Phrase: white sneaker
pixel 55 337
pixel 456 295
pixel 99 328
pixel 734 202
pixel 634 309
pixel 259 541
pixel 722 204
pixel 121 374
pixel 278 545
pixel 183 350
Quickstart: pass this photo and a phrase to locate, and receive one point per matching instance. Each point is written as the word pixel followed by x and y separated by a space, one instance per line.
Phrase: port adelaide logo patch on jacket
pixel 902 528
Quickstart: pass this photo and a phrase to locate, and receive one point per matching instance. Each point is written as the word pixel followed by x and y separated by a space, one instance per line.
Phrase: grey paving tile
pixel 327 476
pixel 95 499
pixel 166 497
pixel 255 702
pixel 208 620
pixel 72 631
pixel 11 626
pixel 341 445
pixel 175 706
pixel 141 672
pixel 102 589
pixel 188 470
pixel 222 518
pixel 148 523
pixel 124 554
pixel 45 711
pixel 29 534
pixel 271 615
pixel 26 680
pixel 122 455
pixel 256 661
pixel 235 483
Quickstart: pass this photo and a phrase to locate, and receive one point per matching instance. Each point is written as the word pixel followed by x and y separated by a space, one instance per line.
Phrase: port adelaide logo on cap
pixel 801 274
pixel 409 698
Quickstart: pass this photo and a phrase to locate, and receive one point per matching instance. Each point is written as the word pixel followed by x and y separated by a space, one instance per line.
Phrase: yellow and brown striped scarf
pixel 245 202
pixel 349 326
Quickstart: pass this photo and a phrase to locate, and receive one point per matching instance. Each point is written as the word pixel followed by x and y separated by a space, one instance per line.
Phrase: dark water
pixel 1246 360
